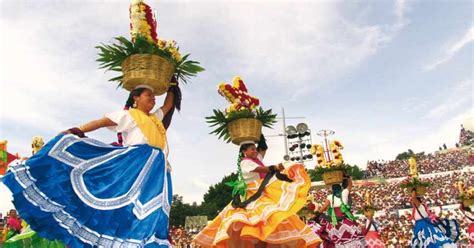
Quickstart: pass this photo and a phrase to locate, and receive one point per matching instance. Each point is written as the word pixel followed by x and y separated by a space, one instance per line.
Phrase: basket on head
pixel 245 129
pixel 468 202
pixel 420 190
pixel 333 177
pixel 148 69
pixel 369 212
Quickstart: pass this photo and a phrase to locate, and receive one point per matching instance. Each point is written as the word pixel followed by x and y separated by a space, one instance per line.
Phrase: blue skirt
pixel 87 193
pixel 427 235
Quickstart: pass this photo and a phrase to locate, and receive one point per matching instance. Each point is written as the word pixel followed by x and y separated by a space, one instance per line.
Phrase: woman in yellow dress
pixel 270 220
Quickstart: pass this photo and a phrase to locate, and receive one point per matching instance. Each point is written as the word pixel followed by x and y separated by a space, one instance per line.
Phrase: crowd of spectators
pixel 390 196
pixel 466 137
pixel 396 230
pixel 182 238
pixel 448 160
pixel 10 225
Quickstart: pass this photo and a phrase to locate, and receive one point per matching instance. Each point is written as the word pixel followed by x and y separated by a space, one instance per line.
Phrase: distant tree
pixel 353 170
pixel 217 197
pixel 405 155
pixel 409 154
pixel 179 211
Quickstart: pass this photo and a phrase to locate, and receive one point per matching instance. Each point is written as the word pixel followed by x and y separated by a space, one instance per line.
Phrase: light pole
pixel 299 140
pixel 284 134
pixel 326 133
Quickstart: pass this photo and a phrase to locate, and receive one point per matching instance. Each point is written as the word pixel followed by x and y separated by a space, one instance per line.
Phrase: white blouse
pixel 470 215
pixel 337 201
pixel 131 133
pixel 247 167
pixel 422 210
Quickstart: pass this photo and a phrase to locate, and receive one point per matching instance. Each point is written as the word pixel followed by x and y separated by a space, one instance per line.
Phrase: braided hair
pixel 337 190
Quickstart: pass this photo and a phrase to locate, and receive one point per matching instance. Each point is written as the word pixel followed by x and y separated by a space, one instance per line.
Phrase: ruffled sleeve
pixel 345 196
pixel 248 166
pixel 123 120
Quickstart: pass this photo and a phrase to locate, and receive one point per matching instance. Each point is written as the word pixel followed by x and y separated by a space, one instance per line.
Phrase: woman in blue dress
pixel 426 230
pixel 88 193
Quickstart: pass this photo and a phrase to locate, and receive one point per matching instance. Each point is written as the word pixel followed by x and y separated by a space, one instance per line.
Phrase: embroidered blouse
pixel 139 128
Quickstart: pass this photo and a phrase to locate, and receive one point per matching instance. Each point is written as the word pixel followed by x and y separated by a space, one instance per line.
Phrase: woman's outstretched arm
pixel 94 125
pixel 323 207
pixel 266 169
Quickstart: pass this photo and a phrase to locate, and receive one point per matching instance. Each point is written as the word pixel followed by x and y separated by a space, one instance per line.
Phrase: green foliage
pixel 409 154
pixel 411 182
pixel 179 211
pixel 315 177
pixel 112 56
pixel 321 170
pixel 353 170
pixel 220 120
pixel 217 197
pixel 366 208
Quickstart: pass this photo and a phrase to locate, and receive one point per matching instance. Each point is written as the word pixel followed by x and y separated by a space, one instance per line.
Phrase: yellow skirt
pixel 270 219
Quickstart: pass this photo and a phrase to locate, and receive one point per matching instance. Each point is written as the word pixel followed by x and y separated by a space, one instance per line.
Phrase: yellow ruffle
pixel 151 127
pixel 271 218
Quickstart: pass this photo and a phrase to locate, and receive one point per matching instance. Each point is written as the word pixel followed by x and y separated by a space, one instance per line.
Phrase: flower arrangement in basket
pixel 368 209
pixel 146 59
pixel 412 182
pixel 465 196
pixel 331 169
pixel 243 119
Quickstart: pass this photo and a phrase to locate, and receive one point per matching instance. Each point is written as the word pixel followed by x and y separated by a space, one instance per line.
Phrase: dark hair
pixel 244 147
pixel 345 182
pixel 128 104
pixel 133 93
pixel 337 190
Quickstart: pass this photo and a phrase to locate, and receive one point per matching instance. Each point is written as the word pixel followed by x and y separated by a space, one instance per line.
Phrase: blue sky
pixel 385 75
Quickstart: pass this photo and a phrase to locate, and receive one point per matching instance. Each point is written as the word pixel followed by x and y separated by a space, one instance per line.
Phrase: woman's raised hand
pixel 76 131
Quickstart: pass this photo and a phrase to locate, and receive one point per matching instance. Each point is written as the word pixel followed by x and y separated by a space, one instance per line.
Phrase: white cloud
pixel 5 199
pixel 400 8
pixel 386 142
pixel 53 82
pixel 453 49
pixel 460 96
pixel 317 36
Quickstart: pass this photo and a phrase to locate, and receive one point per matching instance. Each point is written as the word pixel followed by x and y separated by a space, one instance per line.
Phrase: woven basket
pixel 333 177
pixel 468 202
pixel 245 129
pixel 147 69
pixel 420 190
pixel 369 212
